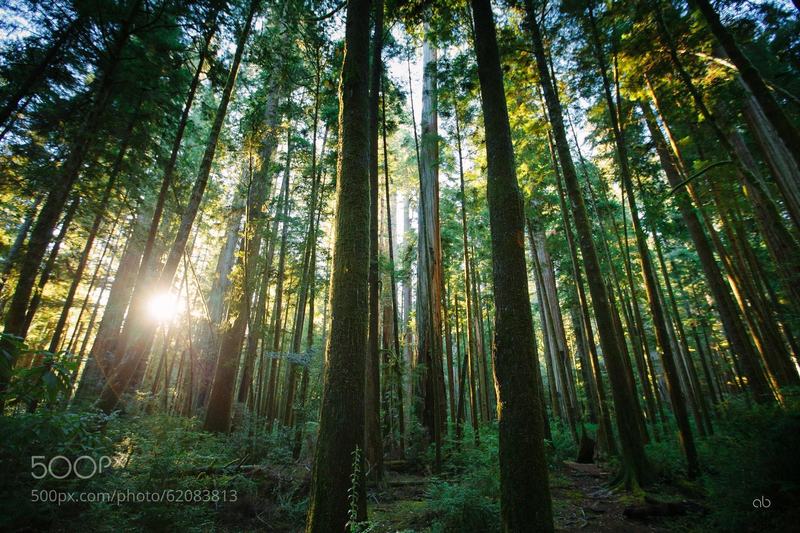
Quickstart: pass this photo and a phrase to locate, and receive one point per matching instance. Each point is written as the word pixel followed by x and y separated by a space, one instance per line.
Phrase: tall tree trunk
pixel 307 275
pixel 67 176
pixel 218 413
pixel 590 365
pixel 408 333
pixel 430 394
pixel 524 490
pixel 278 320
pixel 555 327
pixel 648 272
pixel 699 397
pixel 208 344
pixel 374 440
pixel 470 348
pixel 752 77
pixel 299 418
pixel 341 431
pixel 99 362
pixel 138 333
pixel 451 394
pixel 635 468
pixel 397 361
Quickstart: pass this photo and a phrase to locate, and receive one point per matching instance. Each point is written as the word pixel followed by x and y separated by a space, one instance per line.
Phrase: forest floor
pixel 582 501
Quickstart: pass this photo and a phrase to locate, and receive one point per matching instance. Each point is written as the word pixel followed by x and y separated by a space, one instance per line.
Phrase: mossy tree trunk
pixel 341 429
pixel 524 490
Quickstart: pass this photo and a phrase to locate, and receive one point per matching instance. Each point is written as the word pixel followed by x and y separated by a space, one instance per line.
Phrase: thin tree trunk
pixel 277 311
pixel 635 469
pixel 19 241
pixel 138 334
pixel 470 348
pixel 218 413
pixel 373 445
pixel 57 197
pixel 451 390
pixel 648 273
pixel 397 363
pixel 585 334
pixel 47 268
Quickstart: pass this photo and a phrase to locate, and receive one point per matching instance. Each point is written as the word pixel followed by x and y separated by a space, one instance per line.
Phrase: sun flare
pixel 163 307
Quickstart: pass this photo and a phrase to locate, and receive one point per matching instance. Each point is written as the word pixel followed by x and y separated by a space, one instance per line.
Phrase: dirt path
pixel 582 502
pixel 400 504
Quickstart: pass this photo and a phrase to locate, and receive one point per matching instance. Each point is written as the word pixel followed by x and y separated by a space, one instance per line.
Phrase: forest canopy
pixel 400 265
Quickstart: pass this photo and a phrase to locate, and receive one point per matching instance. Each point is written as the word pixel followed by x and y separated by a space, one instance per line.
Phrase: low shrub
pixel 752 468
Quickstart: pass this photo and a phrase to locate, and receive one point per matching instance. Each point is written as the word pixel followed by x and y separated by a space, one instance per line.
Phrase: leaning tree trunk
pixel 99 362
pixel 732 324
pixel 139 332
pixel 341 426
pixel 634 461
pixel 169 169
pixel 67 176
pixel 98 219
pixel 731 320
pixel 779 241
pixel 16 246
pixel 749 73
pixel 218 414
pixel 524 490
pixel 648 272
pixel 47 268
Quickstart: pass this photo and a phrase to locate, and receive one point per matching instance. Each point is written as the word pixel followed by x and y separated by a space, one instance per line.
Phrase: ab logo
pixel 762 503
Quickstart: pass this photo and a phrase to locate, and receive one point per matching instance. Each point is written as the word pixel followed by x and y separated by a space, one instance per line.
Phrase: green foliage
pixel 353 524
pixel 754 453
pixel 44 434
pixel 196 474
pixel 472 503
pixel 560 447
pixel 667 459
pixel 46 379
